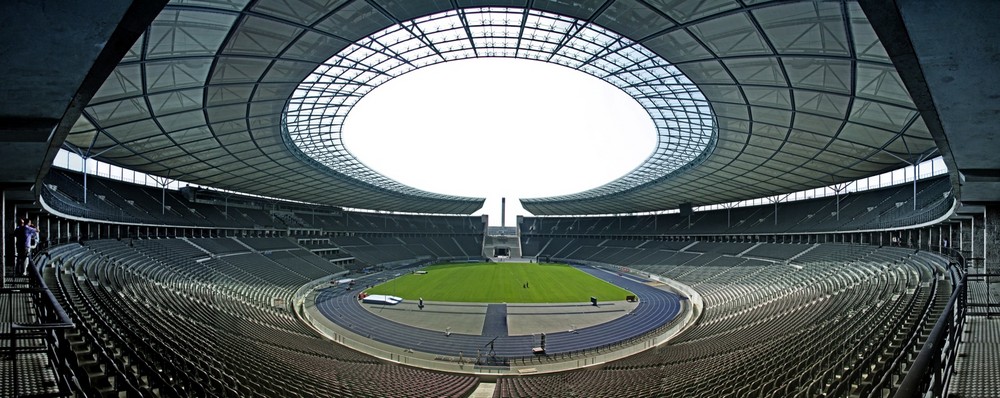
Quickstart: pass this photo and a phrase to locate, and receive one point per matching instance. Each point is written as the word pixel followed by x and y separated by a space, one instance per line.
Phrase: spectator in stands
pixel 23 236
pixel 37 238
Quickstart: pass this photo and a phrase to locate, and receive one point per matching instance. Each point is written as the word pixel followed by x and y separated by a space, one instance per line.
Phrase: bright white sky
pixel 499 127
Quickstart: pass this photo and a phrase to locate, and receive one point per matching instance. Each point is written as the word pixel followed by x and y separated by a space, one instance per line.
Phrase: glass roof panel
pixel 354 21
pixel 881 115
pixel 135 52
pixel 820 124
pixel 577 9
pixel 731 35
pixel 187 33
pixel 191 135
pixel 772 116
pixel 228 112
pixel 822 103
pixel 767 96
pixel 677 46
pixel 125 81
pixel 866 136
pixel 180 121
pixel 238 70
pixel 632 19
pixel 119 112
pixel 261 37
pixel 757 71
pixel 706 72
pixel 314 46
pixel 812 28
pixel 304 12
pixel 220 4
pixel 686 11
pixel 867 46
pixel 882 83
pixel 826 74
pixel 176 73
pixel 175 101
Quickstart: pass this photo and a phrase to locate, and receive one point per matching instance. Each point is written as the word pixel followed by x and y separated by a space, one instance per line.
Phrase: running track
pixel 656 308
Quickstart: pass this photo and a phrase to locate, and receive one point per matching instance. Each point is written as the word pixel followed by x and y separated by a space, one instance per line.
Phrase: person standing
pixel 36 238
pixel 24 234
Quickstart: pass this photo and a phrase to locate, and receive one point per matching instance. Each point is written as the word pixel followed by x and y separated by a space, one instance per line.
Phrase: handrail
pixel 50 299
pixel 52 319
pixel 928 371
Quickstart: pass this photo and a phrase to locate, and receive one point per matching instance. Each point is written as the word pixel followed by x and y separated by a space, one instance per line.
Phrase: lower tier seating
pixel 829 325
pixel 157 323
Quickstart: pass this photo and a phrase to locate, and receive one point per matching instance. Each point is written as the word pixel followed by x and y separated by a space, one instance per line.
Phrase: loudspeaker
pixel 686 209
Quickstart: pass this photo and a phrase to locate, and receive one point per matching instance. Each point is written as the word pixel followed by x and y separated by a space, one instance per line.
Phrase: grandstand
pixel 237 272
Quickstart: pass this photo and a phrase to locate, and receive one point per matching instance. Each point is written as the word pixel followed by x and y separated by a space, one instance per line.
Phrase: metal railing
pixel 49 325
pixel 930 371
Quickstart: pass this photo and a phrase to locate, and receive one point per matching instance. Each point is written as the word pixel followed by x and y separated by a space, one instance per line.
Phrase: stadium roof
pixel 772 97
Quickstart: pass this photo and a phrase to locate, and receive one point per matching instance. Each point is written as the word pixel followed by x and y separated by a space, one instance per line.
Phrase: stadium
pixel 818 215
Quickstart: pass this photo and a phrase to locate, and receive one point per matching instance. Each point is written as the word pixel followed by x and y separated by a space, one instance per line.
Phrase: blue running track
pixel 656 308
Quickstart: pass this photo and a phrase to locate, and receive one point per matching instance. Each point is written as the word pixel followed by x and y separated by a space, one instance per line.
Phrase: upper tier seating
pixel 380 249
pixel 873 209
pixel 118 201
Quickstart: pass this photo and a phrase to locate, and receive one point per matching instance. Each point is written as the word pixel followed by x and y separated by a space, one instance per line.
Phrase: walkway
pixel 496 321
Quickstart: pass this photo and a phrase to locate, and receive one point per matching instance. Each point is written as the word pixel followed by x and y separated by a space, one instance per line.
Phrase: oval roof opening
pixel 685 126
pixel 492 127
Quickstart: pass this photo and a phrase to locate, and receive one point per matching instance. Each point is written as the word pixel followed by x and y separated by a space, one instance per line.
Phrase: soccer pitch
pixel 501 282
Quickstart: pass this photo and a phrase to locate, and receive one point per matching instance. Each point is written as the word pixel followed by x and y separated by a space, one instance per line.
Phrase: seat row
pixel 835 324
pixel 207 335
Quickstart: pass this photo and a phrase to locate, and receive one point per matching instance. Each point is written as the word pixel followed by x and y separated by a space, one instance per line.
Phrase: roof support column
pixel 838 188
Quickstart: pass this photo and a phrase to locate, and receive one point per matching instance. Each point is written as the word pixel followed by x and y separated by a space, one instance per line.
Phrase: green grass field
pixel 501 282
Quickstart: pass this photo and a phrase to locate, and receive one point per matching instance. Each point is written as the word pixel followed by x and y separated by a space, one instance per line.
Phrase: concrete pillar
pixel 953 235
pixel 991 238
pixel 967 235
pixel 7 257
pixel 976 243
pixel 940 238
